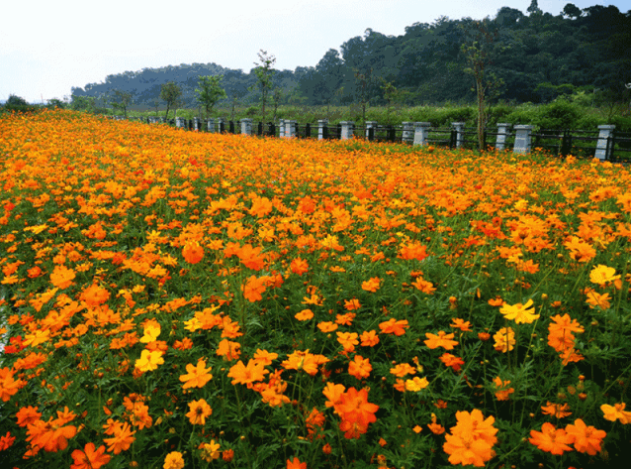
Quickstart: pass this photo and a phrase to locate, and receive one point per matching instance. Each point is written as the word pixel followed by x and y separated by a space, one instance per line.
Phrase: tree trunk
pixel 480 93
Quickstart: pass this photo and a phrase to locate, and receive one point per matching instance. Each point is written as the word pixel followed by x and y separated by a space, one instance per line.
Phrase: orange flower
pixel 352 305
pixel 424 286
pixel 435 428
pixel 369 338
pixel 393 326
pixel 359 367
pixel 247 375
pixel 296 464
pixel 264 357
pixel 403 369
pixel 304 315
pixel 586 439
pixel 450 360
pixel 253 288
pixel 303 360
pixel 197 376
pixel 27 415
pixel 504 340
pixel 6 441
pixel 371 285
pixel 122 439
pixel 299 266
pixel 192 252
pixel 348 340
pixel 62 276
pixel 616 412
pixel 333 392
pixel 558 410
pixel 229 350
pixel 90 457
pixel 173 460
pixel 441 340
pixel 8 385
pixel 327 326
pixel 501 393
pixel 198 411
pixel 551 440
pixel 471 440
pixel 464 326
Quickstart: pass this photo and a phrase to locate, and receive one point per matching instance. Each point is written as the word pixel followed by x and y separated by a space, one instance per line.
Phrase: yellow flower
pixel 520 313
pixel 149 360
pixel 416 384
pixel 173 460
pixel 152 331
pixel 601 274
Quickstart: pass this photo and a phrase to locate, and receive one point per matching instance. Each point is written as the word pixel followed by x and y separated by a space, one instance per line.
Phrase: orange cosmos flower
pixel 416 384
pixel 434 427
pixel 303 360
pixel 90 457
pixel 558 410
pixel 299 266
pixel 247 375
pixel 501 393
pixel 348 340
pixel 333 392
pixel 464 326
pixel 327 326
pixel 152 330
pixel 441 340
pixel 296 464
pixel 210 451
pixel 359 367
pixel 122 439
pixel 471 440
pixel 27 415
pixel 304 315
pixel 352 305
pixel 264 357
pixel 504 340
pixel 8 385
pixel 371 285
pixel 173 460
pixel 586 439
pixel 403 369
pixel 62 276
pixel 198 375
pixel 393 326
pixel 369 338
pixel 452 361
pixel 229 350
pixel 424 286
pixel 6 441
pixel 413 250
pixel 192 252
pixel 551 440
pixel 198 412
pixel 616 412
pixel 253 288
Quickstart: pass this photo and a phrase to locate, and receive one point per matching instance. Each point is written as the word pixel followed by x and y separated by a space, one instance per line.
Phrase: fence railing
pixel 604 143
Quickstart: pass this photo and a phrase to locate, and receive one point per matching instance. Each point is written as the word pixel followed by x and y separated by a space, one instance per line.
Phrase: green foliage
pixel 121 100
pixel 209 92
pixel 264 73
pixel 18 104
pixel 170 92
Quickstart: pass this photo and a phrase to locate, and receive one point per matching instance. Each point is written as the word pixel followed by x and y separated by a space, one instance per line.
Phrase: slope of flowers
pixel 172 299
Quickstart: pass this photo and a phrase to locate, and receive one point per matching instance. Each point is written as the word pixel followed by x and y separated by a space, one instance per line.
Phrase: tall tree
pixel 477 51
pixel 120 100
pixel 170 93
pixel 209 92
pixel 264 73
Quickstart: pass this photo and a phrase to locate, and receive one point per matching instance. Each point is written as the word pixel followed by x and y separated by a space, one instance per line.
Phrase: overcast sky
pixel 47 47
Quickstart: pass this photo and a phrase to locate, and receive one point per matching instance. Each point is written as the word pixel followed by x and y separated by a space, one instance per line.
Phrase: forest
pixel 529 57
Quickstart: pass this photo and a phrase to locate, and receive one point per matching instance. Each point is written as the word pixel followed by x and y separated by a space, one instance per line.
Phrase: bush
pixel 560 114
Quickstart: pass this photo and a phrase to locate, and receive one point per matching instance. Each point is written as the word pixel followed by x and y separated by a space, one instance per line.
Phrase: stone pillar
pixel 347 130
pixel 421 131
pixel 290 128
pixel 196 124
pixel 408 132
pixel 459 128
pixel 163 120
pixel 371 125
pixel 322 123
pixel 503 131
pixel 218 124
pixel 523 137
pixel 281 128
pixel 246 126
pixel 179 122
pixel 604 147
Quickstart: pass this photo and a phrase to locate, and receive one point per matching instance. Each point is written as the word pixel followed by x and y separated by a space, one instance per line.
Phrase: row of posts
pixel 415 133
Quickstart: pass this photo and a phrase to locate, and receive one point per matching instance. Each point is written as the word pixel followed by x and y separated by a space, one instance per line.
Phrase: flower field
pixel 177 299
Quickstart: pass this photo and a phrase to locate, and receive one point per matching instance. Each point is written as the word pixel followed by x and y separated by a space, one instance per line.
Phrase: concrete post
pixel 322 123
pixel 459 128
pixel 179 122
pixel 281 128
pixel 210 125
pixel 347 130
pixel 196 123
pixel 503 131
pixel 290 128
pixel 246 126
pixel 421 132
pixel 408 132
pixel 523 137
pixel 371 125
pixel 604 147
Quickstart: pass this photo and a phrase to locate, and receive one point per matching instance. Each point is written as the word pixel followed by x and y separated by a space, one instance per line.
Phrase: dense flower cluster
pixel 172 299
